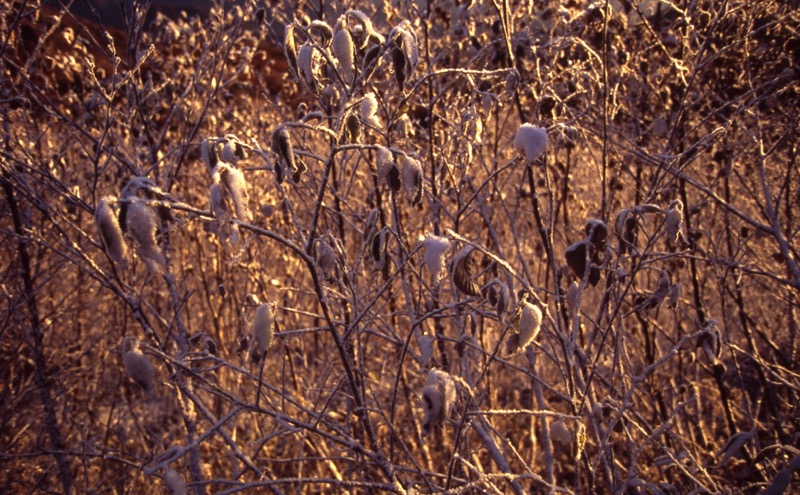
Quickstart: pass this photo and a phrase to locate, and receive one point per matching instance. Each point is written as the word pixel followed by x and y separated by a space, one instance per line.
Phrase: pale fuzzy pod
pixel 237 188
pixel 344 50
pixel 461 270
pixel 447 385
pixel 369 109
pixel 674 223
pixel 573 297
pixel 435 249
pixel 387 169
pixel 324 30
pixel 232 149
pixel 412 179
pixel 432 407
pixel 426 348
pixel 366 25
pixel 110 232
pixel 559 433
pixel 290 48
pixel 404 125
pixel 326 259
pixel 282 147
pixel 262 331
pixel 530 141
pixel 142 224
pixel 307 64
pixel 530 322
pixel 174 482
pixel 208 155
pixel 137 366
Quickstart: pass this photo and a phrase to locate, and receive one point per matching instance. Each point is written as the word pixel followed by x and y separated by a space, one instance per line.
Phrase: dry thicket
pixel 339 263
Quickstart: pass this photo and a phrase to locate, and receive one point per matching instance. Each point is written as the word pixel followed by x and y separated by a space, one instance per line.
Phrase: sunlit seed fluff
pixel 282 147
pixel 366 24
pixel 307 62
pixel 674 223
pixel 290 49
pixel 232 150
pixel 432 407
pixel 262 331
pixel 142 225
pixel 530 141
pixel 174 482
pixel 369 108
pixel 447 385
pixel 236 184
pixel 530 322
pixel 435 249
pixel 323 29
pixel 136 364
pixel 413 179
pixel 110 232
pixel 560 434
pixel 344 50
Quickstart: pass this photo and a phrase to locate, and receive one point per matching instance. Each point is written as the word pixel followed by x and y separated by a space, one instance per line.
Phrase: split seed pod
pixel 528 319
pixel 676 233
pixel 461 270
pixel 323 29
pixel 351 130
pixel 110 232
pixel 142 224
pixel 136 364
pixel 405 54
pixel 387 168
pixel 282 146
pixel 262 332
pixel 369 108
pixel 498 295
pixel 308 59
pixel 438 398
pixel 290 49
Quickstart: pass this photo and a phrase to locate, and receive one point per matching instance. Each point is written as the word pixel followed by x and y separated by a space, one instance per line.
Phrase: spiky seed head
pixel 344 50
pixel 136 364
pixel 530 141
pixel 560 434
pixel 413 179
pixel 261 331
pixel 110 231
pixel 461 269
pixel 435 249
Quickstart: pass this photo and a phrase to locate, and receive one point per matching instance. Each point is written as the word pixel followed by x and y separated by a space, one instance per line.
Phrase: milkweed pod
pixel 174 482
pixel 290 49
pixel 232 149
pixel 498 295
pixel 674 224
pixel 560 434
pixel 110 231
pixel 596 232
pixel 136 364
pixel 378 246
pixel 461 269
pixel 323 29
pixel 447 385
pixel 371 60
pixel 370 35
pixel 344 50
pixel 435 249
pixel 626 229
pixel 413 180
pixel 405 54
pixel 371 224
pixel 530 141
pixel 387 168
pixel 142 225
pixel 262 332
pixel 425 349
pixel 573 297
pixel 576 255
pixel 709 342
pixel 674 295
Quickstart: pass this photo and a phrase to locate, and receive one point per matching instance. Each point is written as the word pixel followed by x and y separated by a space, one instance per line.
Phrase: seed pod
pixel 209 155
pixel 576 255
pixel 461 270
pixel 626 229
pixel 326 260
pixel 425 349
pixel 709 341
pixel 497 293
pixel 596 232
pixel 560 434
pixel 530 141
pixel 387 168
pixel 413 180
pixel 261 331
pixel 370 225
pixel 233 181
pixel 174 482
pixel 573 298
pixel 438 398
pixel 323 29
pixel 142 225
pixel 405 54
pixel 435 249
pixel 674 296
pixel 232 149
pixel 371 61
pixel 369 107
pixel 110 231
pixel 282 147
pixel 136 364
pixel 676 233
pixel 351 129
pixel 290 49
pixel 344 50
pixel 370 35
pixel 528 320
pixel 308 65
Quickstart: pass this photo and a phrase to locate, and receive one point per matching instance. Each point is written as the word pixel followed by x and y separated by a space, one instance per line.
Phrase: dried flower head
pixel 530 141
pixel 105 219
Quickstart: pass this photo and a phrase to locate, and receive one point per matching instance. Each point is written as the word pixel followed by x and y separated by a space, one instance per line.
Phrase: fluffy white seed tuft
pixel 531 141
pixel 435 249
pixel 110 232
pixel 344 50
pixel 262 331
pixel 137 366
pixel 142 224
